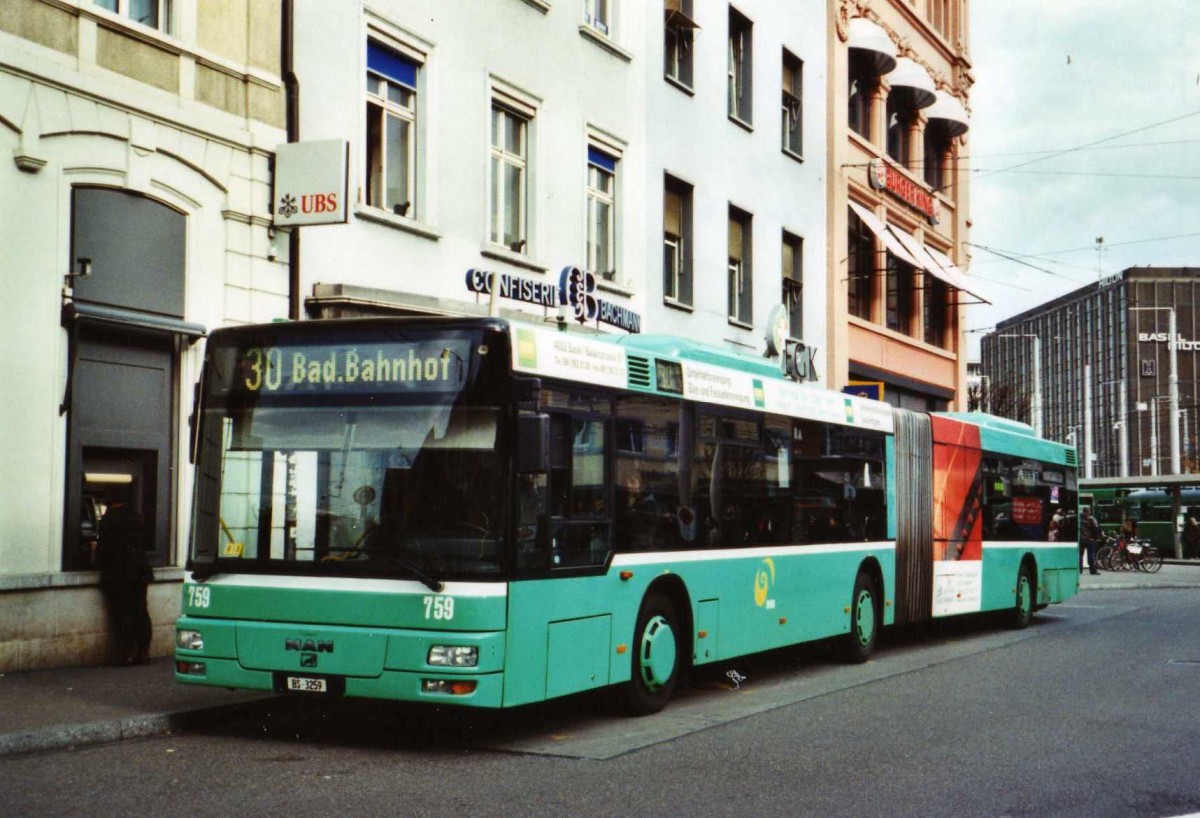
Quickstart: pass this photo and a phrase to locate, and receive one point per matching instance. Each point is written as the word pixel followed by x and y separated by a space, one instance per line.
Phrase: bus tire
pixel 858 645
pixel 655 661
pixel 1022 611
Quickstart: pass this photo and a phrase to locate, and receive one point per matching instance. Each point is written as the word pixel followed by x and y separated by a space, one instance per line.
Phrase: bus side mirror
pixel 533 442
pixel 194 424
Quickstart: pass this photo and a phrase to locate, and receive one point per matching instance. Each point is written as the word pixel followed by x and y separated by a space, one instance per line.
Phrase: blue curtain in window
pixel 384 61
pixel 601 160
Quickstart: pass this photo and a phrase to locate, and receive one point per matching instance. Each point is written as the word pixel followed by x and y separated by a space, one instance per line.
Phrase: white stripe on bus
pixel 714 555
pixel 354 584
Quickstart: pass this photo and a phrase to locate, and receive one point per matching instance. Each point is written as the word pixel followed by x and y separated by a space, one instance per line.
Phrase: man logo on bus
pixel 764 578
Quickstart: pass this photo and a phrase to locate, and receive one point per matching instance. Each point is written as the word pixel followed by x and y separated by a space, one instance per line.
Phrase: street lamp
pixel 1152 407
pixel 1172 385
pixel 1036 398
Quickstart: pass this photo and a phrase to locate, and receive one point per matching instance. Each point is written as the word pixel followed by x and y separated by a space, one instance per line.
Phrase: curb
pixel 1139 586
pixel 66 736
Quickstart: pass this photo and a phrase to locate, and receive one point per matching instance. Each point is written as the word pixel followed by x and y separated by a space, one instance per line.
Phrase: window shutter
pixel 735 239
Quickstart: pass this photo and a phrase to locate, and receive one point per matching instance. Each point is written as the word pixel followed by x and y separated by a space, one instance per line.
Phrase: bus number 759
pixel 439 607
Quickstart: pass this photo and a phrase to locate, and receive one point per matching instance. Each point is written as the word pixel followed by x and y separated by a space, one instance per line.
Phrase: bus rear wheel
pixel 1022 612
pixel 858 645
pixel 655 660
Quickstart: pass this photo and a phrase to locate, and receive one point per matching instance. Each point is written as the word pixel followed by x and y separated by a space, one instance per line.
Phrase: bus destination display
pixel 438 366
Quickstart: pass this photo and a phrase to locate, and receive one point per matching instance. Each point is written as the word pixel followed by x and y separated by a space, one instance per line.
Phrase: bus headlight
pixel 453 656
pixel 189 640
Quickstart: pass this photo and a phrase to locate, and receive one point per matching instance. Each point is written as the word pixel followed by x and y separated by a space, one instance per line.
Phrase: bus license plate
pixel 302 684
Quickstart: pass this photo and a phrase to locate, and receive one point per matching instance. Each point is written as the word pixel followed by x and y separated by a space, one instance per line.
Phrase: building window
pixel 939 16
pixel 154 14
pixel 596 13
pixel 391 130
pixel 863 83
pixel 601 213
pixel 678 31
pixel 938 143
pixel 935 310
pixel 860 264
pixel 740 280
pixel 677 233
pixel 509 154
pixel 792 269
pixel 900 119
pixel 740 64
pixel 899 295
pixel 790 127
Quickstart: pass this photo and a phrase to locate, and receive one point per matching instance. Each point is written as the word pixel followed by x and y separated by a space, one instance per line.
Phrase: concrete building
pixel 137 138
pixel 1097 367
pixel 899 77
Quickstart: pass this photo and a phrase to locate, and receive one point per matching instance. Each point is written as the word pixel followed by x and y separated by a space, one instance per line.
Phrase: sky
pixel 1085 124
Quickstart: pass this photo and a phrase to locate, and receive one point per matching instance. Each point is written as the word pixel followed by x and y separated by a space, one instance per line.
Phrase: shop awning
pixel 955 277
pixel 910 78
pixel 80 311
pixel 873 41
pixel 951 112
pixel 880 229
pixel 935 263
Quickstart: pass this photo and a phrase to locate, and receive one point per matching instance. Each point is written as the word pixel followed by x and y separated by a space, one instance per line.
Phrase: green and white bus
pixel 488 513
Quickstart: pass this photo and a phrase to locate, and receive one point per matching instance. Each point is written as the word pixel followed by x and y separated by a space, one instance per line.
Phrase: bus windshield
pixel 309 471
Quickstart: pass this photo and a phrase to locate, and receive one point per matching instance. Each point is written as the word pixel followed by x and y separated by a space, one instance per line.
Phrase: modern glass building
pixel 1098 364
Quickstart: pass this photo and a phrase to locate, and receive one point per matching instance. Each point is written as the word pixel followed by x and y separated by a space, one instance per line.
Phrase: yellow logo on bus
pixel 764 578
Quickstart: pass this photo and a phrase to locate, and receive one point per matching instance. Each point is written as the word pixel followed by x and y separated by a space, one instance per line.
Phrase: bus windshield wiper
pixel 415 568
pixel 203 571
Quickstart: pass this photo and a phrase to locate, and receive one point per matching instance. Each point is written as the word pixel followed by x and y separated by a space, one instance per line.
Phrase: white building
pixel 525 136
pixel 134 191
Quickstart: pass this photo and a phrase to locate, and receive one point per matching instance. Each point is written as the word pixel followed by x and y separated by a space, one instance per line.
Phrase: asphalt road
pixel 1093 711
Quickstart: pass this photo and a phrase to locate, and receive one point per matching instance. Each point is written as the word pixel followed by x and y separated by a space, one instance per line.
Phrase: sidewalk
pixel 53 709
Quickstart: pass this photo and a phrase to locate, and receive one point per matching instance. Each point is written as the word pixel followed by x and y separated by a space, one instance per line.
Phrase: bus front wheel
pixel 655 660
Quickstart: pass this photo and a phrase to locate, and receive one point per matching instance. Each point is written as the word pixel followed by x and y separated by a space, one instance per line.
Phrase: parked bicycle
pixel 1143 556
pixel 1119 554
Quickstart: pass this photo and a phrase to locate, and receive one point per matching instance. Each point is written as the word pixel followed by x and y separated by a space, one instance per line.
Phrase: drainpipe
pixel 291 101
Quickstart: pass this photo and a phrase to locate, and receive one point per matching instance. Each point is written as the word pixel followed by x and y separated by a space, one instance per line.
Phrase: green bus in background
pixel 487 513
pixel 1150 502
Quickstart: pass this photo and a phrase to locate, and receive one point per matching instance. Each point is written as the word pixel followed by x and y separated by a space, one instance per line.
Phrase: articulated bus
pixel 481 512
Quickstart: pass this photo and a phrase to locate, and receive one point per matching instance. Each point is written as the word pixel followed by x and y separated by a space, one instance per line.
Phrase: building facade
pixel 1095 368
pixel 137 138
pixel 643 142
pixel 898 214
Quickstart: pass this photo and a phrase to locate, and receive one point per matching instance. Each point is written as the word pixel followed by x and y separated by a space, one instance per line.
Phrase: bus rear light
pixel 190 668
pixel 448 687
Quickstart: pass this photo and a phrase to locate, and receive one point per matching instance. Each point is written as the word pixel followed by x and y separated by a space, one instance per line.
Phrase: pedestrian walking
pixel 125 575
pixel 1089 538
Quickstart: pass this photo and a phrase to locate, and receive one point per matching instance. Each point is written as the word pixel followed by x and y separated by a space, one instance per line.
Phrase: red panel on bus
pixel 957 491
